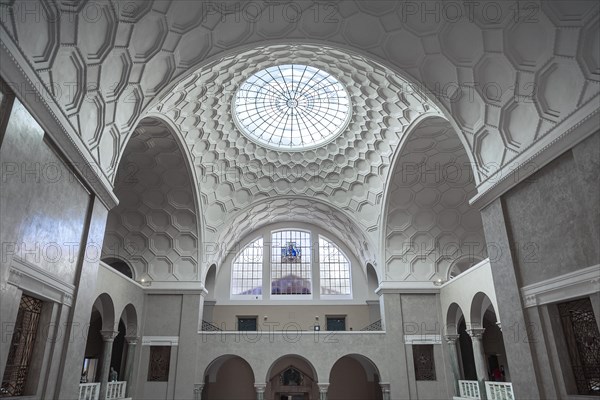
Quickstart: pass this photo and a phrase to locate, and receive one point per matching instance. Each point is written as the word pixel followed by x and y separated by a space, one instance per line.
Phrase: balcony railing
pixel 116 390
pixel 208 327
pixel 499 391
pixel 469 390
pixel 375 326
pixel 493 390
pixel 91 391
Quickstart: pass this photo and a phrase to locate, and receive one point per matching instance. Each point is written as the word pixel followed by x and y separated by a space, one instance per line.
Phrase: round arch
pixel 302 359
pixel 129 316
pixel 453 319
pixel 354 376
pixel 106 307
pixel 157 225
pixel 425 200
pixel 220 374
pixel 479 305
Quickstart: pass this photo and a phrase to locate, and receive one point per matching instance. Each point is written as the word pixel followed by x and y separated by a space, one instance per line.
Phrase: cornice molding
pixel 422 339
pixel 31 278
pixel 407 287
pixel 579 283
pixel 16 70
pixel 160 341
pixel 564 136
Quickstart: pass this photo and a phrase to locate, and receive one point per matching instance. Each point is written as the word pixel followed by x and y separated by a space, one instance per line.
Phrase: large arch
pixel 156 227
pixel 354 377
pixel 228 377
pixel 295 209
pixel 302 371
pixel 428 223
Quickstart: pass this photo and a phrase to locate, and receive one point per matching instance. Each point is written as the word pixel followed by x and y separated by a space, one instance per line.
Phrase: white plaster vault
pixel 504 84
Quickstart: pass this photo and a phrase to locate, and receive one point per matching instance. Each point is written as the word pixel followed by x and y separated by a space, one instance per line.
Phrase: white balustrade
pixel 469 389
pixel 116 390
pixel 499 391
pixel 89 391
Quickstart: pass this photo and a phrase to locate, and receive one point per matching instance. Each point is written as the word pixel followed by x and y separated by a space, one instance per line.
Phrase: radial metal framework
pixel 291 107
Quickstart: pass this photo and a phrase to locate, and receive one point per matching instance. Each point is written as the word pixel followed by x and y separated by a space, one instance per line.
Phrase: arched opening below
pixel 466 359
pixel 493 347
pixel 93 349
pixel 117 359
pixel 229 377
pixel 292 377
pixel 354 377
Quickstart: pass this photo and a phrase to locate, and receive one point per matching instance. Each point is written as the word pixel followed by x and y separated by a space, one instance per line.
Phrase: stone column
pixel 323 387
pixel 453 351
pixel 479 356
pixel 132 342
pixel 198 391
pixel 385 391
pixel 108 338
pixel 260 390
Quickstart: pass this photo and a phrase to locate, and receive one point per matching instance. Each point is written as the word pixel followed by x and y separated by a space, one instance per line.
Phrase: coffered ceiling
pixel 506 78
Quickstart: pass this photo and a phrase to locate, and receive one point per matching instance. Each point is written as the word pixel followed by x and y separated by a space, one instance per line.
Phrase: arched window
pixel 246 274
pixel 296 262
pixel 120 266
pixel 334 269
pixel 290 263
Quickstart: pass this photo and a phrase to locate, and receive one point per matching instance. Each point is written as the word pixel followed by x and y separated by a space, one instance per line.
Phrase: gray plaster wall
pixel 53 227
pixel 171 315
pixel 43 206
pixel 553 216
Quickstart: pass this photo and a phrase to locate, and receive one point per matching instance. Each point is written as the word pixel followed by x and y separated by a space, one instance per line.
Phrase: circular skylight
pixel 291 107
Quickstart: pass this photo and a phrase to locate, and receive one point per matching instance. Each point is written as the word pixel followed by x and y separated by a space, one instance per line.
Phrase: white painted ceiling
pixel 505 84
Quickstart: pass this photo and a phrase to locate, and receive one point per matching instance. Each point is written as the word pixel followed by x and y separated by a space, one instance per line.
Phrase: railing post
pixel 451 340
pixel 108 338
pixel 479 356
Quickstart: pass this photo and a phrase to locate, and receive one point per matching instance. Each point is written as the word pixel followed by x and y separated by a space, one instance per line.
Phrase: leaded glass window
pixel 291 263
pixel 424 362
pixel 583 343
pixel 246 279
pixel 291 107
pixel 160 361
pixel 21 347
pixel 334 270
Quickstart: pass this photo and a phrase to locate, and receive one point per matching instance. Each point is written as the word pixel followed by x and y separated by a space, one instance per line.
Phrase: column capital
pixel 385 390
pixel 260 387
pixel 323 387
pixel 133 340
pixel 198 390
pixel 109 336
pixel 476 333
pixel 451 339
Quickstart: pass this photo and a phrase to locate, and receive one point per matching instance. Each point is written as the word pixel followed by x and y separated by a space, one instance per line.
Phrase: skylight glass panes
pixel 291 107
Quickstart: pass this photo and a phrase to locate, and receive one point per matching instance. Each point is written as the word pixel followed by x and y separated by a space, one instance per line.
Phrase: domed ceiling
pixel 509 85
